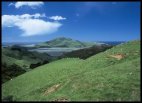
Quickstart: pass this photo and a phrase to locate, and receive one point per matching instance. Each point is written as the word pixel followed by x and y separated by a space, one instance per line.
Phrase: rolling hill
pixel 21 60
pixel 65 42
pixel 112 75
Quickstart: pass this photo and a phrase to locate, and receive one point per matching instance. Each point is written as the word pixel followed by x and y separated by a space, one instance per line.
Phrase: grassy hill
pixel 21 60
pixel 65 42
pixel 113 75
pixel 86 52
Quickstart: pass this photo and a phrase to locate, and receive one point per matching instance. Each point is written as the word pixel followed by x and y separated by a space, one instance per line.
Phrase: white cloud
pixel 30 4
pixel 57 18
pixel 11 4
pixel 37 15
pixel 37 27
pixel 9 20
pixel 31 25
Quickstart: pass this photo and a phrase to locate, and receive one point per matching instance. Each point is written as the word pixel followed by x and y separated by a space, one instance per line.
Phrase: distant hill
pixel 65 42
pixel 112 75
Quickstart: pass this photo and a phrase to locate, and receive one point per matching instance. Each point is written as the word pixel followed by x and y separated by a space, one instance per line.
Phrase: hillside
pixel 65 42
pixel 21 60
pixel 86 52
pixel 113 75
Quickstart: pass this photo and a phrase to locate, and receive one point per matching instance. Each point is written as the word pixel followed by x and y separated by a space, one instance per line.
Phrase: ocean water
pixel 33 43
pixel 54 51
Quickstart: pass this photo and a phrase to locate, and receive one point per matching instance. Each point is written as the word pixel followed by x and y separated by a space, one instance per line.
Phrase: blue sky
pixel 84 21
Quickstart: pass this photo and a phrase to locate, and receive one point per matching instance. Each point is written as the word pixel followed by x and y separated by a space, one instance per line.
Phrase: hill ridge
pixel 65 42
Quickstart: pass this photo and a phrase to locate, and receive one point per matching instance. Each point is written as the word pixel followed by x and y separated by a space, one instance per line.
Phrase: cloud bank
pixel 31 25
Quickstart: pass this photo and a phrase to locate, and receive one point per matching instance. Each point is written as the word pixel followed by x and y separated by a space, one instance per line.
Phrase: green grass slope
pixel 98 78
pixel 21 60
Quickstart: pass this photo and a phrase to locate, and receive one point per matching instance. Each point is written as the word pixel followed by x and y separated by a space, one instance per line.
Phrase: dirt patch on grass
pixel 51 89
pixel 62 99
pixel 117 56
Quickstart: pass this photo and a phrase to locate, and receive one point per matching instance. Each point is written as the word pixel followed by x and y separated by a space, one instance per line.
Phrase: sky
pixel 84 21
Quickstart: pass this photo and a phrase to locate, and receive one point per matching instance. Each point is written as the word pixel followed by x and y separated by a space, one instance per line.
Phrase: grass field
pixel 102 77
